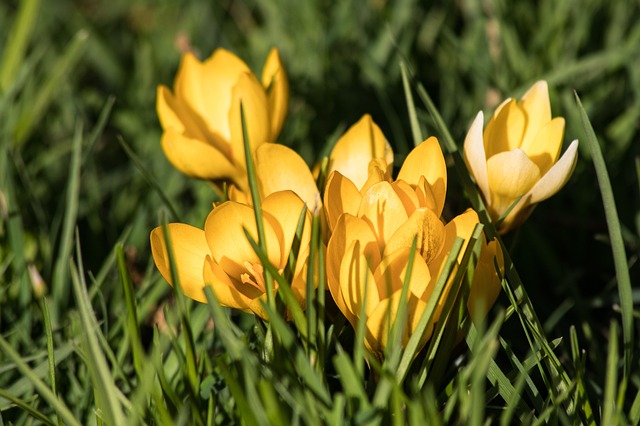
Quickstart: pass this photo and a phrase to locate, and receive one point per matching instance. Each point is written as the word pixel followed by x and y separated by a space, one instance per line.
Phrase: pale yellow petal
pixel 377 173
pixel 424 226
pixel 228 243
pixel 511 174
pixel 475 156
pixel 196 158
pixel 461 226
pixel 348 228
pixel 357 284
pixel 485 287
pixel 282 210
pixel 357 147
pixel 383 317
pixel 426 197
pixel 340 196
pixel 392 272
pixel 557 176
pixel 427 160
pixel 409 197
pixel 189 248
pixel 249 92
pixel 280 168
pixel 230 293
pixel 537 110
pixel 383 210
pixel 206 87
pixel 276 84
pixel 544 148
pixel 507 130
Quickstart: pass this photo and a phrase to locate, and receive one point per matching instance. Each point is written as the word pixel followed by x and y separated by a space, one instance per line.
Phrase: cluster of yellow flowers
pixel 370 220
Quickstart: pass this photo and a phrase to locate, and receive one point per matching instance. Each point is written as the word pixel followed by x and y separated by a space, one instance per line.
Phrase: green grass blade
pixel 615 234
pixel 106 391
pixel 14 52
pixel 611 381
pixel 60 286
pixel 132 317
pixel 46 393
pixel 257 202
pixel 26 408
pixel 411 107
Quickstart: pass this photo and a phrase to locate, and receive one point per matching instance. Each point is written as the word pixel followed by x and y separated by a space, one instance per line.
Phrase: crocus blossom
pixel 220 255
pixel 373 231
pixel 201 120
pixel 518 155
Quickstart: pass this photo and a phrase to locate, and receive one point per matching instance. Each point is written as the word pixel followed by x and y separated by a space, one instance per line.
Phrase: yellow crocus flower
pixel 201 121
pixel 518 154
pixel 220 255
pixel 370 245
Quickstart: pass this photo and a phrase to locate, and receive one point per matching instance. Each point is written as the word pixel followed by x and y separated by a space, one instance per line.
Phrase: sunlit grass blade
pixel 411 107
pixel 106 392
pixel 60 287
pixel 427 316
pixel 352 383
pixel 46 393
pixel 609 409
pixel 23 405
pixel 17 42
pixel 132 317
pixel 615 235
pixel 257 202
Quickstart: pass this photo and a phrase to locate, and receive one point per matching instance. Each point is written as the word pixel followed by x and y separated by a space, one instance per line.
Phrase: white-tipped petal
pixel 556 177
pixel 475 156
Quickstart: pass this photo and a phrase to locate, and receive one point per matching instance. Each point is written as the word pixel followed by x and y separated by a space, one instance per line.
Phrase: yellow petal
pixel 537 110
pixel 426 197
pixel 357 147
pixel 485 287
pixel 507 130
pixel 475 156
pixel 511 174
pixel 282 210
pixel 357 284
pixel 376 173
pixel 409 197
pixel 427 160
pixel 348 228
pixel 461 226
pixel 383 316
pixel 230 293
pixel 426 228
pixel 280 168
pixel 340 196
pixel 557 176
pixel 227 241
pixel 383 210
pixel 276 84
pixel 544 148
pixel 206 87
pixel 392 271
pixel 189 248
pixel 250 93
pixel 196 158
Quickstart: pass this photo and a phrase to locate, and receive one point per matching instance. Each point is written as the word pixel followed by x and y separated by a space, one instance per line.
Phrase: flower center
pixel 254 276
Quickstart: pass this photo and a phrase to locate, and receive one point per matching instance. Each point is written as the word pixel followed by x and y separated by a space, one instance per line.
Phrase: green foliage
pixel 90 332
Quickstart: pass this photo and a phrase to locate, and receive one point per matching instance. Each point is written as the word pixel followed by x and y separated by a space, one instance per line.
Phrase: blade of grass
pixel 411 107
pixel 60 286
pixel 44 391
pixel 23 405
pixel 615 235
pixel 106 391
pixel 609 412
pixel 17 42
